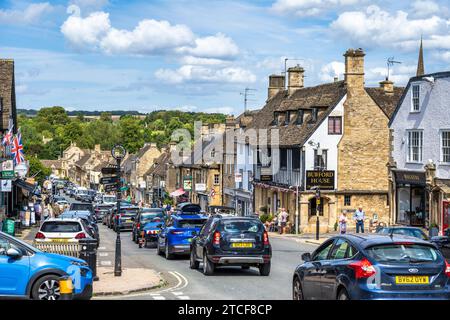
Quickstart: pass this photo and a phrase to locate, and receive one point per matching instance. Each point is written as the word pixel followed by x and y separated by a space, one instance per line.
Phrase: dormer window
pixel 275 118
pixel 314 114
pixel 299 120
pixel 287 118
pixel 415 107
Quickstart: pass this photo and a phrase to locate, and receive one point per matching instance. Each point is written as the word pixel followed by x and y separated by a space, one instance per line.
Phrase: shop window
pixel 347 200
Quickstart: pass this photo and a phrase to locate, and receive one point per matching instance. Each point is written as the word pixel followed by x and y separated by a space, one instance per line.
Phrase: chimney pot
pixel 296 79
pixel 387 86
pixel 276 84
pixel 354 68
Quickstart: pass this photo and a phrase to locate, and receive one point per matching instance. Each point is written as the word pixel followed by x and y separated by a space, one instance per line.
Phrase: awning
pixel 25 186
pixel 177 193
pixel 410 177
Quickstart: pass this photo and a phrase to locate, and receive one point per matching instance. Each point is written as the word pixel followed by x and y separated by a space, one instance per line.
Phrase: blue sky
pixel 199 55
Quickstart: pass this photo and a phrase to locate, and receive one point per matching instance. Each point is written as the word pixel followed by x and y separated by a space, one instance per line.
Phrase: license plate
pixel 242 245
pixel 128 221
pixel 412 280
pixel 60 240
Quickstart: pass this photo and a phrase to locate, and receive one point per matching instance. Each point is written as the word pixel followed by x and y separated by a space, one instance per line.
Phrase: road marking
pixel 184 298
pixel 105 263
pixel 101 248
pixel 177 293
pixel 103 254
pixel 159 298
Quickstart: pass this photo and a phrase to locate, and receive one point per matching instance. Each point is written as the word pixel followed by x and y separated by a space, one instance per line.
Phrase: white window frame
pixel 412 98
pixel 409 154
pixel 441 138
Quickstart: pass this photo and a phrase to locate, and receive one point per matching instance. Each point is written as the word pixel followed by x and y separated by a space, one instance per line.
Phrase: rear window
pixel 147 217
pixel 191 223
pixel 403 253
pixel 61 227
pixel 130 212
pixel 239 226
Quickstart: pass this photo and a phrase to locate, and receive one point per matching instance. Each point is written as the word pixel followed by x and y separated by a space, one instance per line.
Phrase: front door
pixel 14 273
pixel 445 215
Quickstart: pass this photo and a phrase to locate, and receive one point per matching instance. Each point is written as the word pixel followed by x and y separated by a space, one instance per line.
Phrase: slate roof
pixel 159 165
pixel 49 163
pixel 84 159
pixel 7 93
pixel 245 118
pixel 386 102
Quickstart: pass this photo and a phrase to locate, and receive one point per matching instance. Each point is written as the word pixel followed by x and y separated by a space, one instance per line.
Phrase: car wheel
pixel 208 266
pixel 264 269
pixel 46 288
pixel 167 253
pixel 193 263
pixel 158 248
pixel 245 267
pixel 343 295
pixel 297 291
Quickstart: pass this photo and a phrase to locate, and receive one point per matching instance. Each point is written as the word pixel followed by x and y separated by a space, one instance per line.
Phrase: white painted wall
pixel 327 142
pixel 433 117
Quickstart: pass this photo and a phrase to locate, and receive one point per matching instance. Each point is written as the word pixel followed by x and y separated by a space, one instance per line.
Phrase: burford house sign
pixel 322 179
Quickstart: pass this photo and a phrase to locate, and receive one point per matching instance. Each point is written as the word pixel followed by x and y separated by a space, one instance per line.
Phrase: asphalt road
pixel 226 283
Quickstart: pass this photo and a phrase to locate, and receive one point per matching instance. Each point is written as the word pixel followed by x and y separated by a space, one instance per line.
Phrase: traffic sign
pixel 7 174
pixel 109 170
pixel 110 187
pixel 109 180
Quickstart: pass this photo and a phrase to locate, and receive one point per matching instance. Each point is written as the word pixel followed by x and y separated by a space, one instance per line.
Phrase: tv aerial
pixel 390 63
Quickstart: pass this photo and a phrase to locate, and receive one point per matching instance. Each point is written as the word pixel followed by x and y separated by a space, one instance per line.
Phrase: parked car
pixel 228 240
pixel 150 232
pixel 144 216
pixel 406 231
pixel 176 235
pixel 26 272
pixel 77 206
pixel 109 199
pixel 81 193
pixel 362 267
pixel 101 210
pixel 443 243
pixel 124 220
pixel 63 230
pixel 109 219
pixel 88 218
pixel 221 210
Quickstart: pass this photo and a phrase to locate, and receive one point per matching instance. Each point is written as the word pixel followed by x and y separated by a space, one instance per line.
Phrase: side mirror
pixel 306 257
pixel 13 253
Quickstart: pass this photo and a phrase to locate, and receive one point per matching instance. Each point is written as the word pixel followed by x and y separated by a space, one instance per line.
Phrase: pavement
pixel 304 238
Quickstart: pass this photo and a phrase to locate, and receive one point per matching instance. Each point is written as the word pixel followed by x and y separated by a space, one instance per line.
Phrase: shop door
pixel 445 215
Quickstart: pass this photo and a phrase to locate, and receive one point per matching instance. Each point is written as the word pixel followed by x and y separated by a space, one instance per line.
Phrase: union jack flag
pixel 8 137
pixel 17 149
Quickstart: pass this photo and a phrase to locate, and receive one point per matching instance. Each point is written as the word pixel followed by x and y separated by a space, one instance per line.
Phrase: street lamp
pixel 118 152
pixel 319 167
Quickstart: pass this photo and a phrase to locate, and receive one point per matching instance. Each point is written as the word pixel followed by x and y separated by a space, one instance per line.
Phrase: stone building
pixel 7 95
pixel 420 164
pixel 338 129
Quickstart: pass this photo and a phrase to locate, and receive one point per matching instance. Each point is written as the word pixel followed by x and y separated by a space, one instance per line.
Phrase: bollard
pixel 65 288
pixel 89 254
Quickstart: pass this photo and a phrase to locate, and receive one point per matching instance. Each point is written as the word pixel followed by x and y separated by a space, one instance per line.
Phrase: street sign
pixel 187 185
pixel 111 187
pixel 6 185
pixel 109 180
pixel 109 170
pixel 7 174
pixel 322 179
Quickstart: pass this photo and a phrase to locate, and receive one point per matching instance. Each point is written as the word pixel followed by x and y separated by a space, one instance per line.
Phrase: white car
pixel 109 199
pixel 62 230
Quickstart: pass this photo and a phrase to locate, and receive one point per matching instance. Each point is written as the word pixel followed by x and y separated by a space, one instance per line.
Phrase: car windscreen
pixel 191 223
pixel 403 253
pixel 82 192
pixel 148 217
pixel 61 227
pixel 81 207
pixel 241 226
pixel 109 199
pixel 129 212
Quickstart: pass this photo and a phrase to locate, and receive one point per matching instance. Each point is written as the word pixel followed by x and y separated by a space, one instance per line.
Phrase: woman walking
pixel 343 223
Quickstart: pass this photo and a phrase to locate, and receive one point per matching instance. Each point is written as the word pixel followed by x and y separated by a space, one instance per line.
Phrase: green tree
pixel 38 170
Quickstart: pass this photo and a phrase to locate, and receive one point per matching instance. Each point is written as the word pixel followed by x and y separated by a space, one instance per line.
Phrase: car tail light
pixel 216 238
pixel 39 235
pixel 266 238
pixel 138 225
pixel 363 268
pixel 81 235
pixel 447 268
pixel 403 243
pixel 176 232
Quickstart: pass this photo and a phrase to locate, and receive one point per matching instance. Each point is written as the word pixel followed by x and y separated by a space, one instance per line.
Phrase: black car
pixel 145 216
pixel 101 210
pixel 372 267
pixel 443 243
pixel 81 206
pixel 125 218
pixel 405 231
pixel 231 241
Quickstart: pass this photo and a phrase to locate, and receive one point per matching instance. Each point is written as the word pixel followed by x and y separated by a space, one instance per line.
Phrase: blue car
pixel 176 236
pixel 27 273
pixel 150 232
pixel 373 267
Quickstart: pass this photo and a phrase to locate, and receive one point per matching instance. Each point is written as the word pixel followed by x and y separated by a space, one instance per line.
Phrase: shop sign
pixel 266 174
pixel 322 179
pixel 200 187
pixel 408 177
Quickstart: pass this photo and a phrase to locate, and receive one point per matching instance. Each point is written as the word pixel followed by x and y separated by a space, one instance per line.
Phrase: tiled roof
pixel 159 166
pixel 49 163
pixel 84 159
pixel 386 102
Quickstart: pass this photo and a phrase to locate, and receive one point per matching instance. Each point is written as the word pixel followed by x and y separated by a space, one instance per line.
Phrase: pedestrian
pixel 359 217
pixel 343 223
pixel 283 219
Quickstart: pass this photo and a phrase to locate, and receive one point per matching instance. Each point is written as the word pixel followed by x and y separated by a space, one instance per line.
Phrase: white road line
pixel 103 254
pixel 184 297
pixel 159 298
pixel 177 293
pixel 186 282
pixel 101 248
pixel 105 263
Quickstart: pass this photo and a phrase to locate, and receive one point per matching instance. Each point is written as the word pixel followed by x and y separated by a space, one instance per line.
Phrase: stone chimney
pixel 296 79
pixel 354 68
pixel 230 122
pixel 276 84
pixel 387 86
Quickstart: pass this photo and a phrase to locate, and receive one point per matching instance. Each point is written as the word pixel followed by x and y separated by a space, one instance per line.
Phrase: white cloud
pixel 30 15
pixel 205 74
pixel 304 8
pixel 399 74
pixel 331 70
pixel 217 47
pixel 376 27
pixel 424 8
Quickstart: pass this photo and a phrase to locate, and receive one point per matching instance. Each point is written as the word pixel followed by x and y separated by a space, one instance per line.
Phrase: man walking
pixel 283 219
pixel 359 216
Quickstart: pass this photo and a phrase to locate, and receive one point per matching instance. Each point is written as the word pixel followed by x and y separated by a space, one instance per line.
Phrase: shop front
pixel 411 198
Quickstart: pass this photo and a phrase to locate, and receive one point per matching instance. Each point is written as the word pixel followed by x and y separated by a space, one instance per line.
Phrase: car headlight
pixel 78 263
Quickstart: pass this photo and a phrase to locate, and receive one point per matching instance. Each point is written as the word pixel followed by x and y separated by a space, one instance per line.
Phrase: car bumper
pixel 367 294
pixel 86 294
pixel 151 237
pixel 240 259
pixel 180 249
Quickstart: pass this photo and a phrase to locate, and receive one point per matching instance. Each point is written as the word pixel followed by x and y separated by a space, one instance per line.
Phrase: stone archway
pixel 326 214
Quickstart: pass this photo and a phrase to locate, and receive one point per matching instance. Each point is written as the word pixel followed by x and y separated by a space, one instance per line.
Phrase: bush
pixel 266 218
